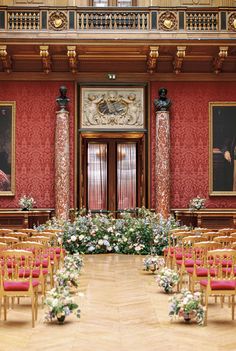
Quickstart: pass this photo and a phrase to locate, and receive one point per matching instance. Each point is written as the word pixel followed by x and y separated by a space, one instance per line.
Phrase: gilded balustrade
pixel 119 19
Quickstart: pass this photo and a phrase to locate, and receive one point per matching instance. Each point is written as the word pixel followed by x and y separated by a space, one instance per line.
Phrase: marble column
pixel 62 159
pixel 162 166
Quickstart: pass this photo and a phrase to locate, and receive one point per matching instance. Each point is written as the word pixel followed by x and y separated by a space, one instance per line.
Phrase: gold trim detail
pixel 152 59
pixel 11 104
pixel 168 21
pixel 57 20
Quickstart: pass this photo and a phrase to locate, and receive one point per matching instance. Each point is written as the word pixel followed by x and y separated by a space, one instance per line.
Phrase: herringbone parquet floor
pixel 122 309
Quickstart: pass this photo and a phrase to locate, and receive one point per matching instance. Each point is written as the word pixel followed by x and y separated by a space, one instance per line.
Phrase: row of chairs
pixel 24 267
pixel 208 264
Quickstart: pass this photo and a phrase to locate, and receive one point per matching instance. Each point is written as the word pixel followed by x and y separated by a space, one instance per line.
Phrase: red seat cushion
pixel 44 263
pixel 35 273
pixel 189 263
pixel 202 272
pixel 220 284
pixel 18 286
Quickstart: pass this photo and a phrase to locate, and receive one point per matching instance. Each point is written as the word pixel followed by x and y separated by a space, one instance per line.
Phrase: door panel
pixel 113 173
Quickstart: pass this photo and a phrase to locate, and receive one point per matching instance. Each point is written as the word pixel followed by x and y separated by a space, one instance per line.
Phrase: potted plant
pixel 60 304
pixel 26 203
pixel 167 279
pixel 187 306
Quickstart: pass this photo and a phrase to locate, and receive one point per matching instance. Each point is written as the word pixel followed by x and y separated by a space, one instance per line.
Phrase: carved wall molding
pixel 152 59
pixel 72 57
pixel 6 59
pixel 46 60
pixel 219 60
pixel 179 58
pixel 57 20
pixel 108 108
pixel 168 21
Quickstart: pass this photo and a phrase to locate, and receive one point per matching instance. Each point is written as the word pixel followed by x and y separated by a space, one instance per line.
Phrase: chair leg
pixel 232 302
pixel 206 311
pixel 33 310
pixel 5 301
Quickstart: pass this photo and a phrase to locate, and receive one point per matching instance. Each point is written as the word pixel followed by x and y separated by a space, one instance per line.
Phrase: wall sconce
pixel 111 76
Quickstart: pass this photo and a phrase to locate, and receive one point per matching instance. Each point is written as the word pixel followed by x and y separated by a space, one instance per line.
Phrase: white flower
pixel 81 237
pixel 100 242
pixel 73 238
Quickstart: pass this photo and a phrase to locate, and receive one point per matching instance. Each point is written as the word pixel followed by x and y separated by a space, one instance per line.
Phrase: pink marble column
pixel 62 165
pixel 162 167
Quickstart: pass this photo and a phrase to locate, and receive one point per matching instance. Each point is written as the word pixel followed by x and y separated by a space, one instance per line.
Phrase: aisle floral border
pixel 144 233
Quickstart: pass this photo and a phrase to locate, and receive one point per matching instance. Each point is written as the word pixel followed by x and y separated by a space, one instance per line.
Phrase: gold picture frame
pixel 7 148
pixel 222 148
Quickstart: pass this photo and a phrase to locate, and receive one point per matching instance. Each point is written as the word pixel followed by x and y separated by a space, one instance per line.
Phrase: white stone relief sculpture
pixel 112 108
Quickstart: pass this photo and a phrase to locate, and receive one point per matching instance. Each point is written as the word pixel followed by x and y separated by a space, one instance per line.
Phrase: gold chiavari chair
pixel 223 282
pixel 199 270
pixel 8 240
pixel 16 279
pixel 5 231
pixel 18 235
pixel 226 231
pixel 226 241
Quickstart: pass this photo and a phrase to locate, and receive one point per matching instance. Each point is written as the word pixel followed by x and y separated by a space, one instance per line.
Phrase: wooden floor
pixel 122 309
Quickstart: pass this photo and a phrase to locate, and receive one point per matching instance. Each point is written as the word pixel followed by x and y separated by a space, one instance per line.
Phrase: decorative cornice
pixel 219 60
pixel 72 57
pixel 46 60
pixel 152 59
pixel 179 58
pixel 6 59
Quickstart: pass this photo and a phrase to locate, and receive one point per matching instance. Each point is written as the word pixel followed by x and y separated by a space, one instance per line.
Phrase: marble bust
pixel 162 103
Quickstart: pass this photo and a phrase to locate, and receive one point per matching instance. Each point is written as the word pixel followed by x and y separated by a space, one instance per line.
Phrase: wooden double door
pixel 113 172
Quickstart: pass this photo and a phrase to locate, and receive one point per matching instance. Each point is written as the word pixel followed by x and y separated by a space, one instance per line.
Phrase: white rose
pixel 100 242
pixel 73 238
pixel 81 237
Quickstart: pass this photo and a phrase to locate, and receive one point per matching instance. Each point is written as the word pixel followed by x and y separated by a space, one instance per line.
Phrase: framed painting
pixel 7 148
pixel 112 108
pixel 222 148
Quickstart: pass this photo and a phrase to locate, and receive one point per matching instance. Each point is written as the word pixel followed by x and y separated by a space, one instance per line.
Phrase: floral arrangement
pixel 67 276
pixel 27 202
pixel 188 306
pixel 167 279
pixel 153 263
pixel 60 304
pixel 197 203
pixel 146 233
pixel 73 262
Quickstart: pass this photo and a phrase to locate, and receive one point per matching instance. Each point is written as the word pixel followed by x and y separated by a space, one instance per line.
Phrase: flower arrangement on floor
pixel 153 263
pixel 197 203
pixel 74 261
pixel 58 300
pixel 167 279
pixel 146 233
pixel 26 202
pixel 60 304
pixel 188 306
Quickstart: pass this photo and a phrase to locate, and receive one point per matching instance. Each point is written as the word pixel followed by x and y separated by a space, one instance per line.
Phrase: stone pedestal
pixel 162 167
pixel 62 165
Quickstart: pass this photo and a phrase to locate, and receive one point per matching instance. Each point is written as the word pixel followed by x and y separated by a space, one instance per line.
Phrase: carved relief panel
pixel 112 108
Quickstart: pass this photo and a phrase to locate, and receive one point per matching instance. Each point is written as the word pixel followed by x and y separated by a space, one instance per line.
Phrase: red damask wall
pixel 189 139
pixel 35 128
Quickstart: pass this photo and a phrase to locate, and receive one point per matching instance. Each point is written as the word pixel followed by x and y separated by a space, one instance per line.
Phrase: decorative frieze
pixel 120 108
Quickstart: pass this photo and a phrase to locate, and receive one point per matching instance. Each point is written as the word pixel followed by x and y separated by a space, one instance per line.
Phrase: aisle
pixel 122 310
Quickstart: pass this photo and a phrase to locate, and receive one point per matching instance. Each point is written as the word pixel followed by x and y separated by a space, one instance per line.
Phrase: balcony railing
pixel 118 19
